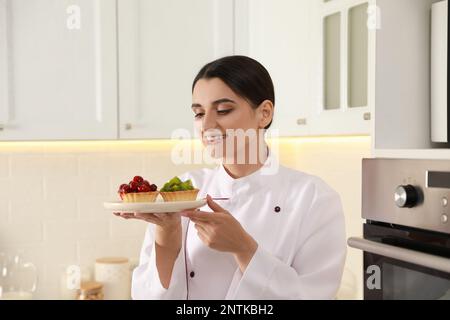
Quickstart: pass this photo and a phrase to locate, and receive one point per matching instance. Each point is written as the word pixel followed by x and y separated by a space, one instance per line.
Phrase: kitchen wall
pixel 51 197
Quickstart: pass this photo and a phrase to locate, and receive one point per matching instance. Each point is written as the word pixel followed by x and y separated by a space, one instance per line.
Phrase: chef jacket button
pixel 192 274
pixel 277 209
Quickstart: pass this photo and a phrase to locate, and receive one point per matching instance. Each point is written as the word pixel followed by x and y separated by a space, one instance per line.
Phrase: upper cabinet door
pixel 162 46
pixel 58 70
pixel 278 34
pixel 343 82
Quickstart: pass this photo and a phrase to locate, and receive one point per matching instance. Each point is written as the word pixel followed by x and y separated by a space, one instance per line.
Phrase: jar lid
pixel 90 286
pixel 112 260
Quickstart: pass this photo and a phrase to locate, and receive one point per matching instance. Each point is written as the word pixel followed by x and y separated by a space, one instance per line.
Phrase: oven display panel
pixel 436 179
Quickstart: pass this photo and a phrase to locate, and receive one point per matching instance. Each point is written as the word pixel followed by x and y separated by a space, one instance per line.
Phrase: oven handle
pixel 402 254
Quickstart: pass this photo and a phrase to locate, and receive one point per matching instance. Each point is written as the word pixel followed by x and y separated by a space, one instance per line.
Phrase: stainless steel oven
pixel 406 235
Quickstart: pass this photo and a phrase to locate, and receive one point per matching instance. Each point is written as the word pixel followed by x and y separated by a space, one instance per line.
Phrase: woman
pixel 280 235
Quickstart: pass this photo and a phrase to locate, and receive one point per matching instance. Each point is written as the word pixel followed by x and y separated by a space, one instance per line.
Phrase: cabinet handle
pixel 302 122
pixel 128 126
pixel 367 116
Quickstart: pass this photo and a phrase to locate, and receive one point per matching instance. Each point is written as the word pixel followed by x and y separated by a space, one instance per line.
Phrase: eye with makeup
pixel 198 115
pixel 224 111
pixel 221 112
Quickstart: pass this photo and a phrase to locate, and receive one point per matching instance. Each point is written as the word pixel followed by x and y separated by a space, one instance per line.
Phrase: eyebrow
pixel 215 103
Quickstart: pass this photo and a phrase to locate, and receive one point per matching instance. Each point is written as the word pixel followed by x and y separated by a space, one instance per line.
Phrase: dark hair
pixel 245 76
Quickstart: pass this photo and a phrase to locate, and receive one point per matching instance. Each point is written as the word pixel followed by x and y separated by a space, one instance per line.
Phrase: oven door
pixel 404 264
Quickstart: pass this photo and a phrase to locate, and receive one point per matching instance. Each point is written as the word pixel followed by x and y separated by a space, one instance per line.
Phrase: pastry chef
pixel 277 233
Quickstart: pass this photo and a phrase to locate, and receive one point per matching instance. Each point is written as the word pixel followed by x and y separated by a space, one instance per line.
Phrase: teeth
pixel 214 138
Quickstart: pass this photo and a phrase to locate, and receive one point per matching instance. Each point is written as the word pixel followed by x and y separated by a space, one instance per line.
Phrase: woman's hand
pixel 219 230
pixel 164 220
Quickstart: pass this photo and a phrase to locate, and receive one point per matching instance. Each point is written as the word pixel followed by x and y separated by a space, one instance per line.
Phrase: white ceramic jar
pixel 114 274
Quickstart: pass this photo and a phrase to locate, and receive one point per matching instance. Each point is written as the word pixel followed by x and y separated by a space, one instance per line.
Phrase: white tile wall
pixel 4 210
pixel 4 166
pixel 51 203
pixel 21 233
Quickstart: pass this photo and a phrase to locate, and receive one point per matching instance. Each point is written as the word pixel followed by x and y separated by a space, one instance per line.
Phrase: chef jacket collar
pixel 255 180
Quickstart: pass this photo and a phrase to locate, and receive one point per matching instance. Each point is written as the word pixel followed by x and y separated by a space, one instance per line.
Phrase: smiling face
pixel 220 113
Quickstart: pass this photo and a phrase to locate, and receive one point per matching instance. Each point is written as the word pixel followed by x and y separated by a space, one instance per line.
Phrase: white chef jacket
pixel 297 221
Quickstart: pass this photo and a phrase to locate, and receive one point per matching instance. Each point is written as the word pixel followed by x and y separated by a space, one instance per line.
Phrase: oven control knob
pixel 406 196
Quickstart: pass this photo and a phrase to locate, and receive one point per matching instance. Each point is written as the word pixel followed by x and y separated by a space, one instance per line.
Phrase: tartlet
pixel 177 190
pixel 138 190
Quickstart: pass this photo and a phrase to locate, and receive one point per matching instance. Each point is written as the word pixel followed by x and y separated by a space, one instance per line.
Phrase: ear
pixel 265 113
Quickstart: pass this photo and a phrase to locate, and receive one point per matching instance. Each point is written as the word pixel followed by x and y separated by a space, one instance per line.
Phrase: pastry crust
pixel 140 196
pixel 187 195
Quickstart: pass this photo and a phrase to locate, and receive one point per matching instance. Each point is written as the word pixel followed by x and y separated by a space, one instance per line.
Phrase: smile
pixel 214 139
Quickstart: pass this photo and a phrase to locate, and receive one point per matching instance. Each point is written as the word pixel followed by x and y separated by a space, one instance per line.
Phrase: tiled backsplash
pixel 51 202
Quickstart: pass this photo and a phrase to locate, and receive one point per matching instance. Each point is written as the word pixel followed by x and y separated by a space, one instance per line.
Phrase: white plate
pixel 154 207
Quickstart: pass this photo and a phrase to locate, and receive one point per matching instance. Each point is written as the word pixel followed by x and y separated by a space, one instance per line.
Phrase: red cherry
pixel 146 183
pixel 143 188
pixel 122 186
pixel 134 186
pixel 126 189
pixel 153 187
pixel 138 179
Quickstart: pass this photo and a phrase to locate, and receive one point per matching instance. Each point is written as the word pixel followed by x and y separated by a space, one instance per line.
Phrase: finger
pixel 214 205
pixel 122 214
pixel 201 228
pixel 182 213
pixel 149 217
pixel 146 215
pixel 149 220
pixel 126 214
pixel 200 222
pixel 199 215
pixel 163 215
pixel 203 236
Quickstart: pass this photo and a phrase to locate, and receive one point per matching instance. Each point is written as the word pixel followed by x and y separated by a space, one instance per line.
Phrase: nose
pixel 209 121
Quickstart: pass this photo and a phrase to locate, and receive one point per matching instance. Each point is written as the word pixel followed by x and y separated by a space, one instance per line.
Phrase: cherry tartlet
pixel 138 190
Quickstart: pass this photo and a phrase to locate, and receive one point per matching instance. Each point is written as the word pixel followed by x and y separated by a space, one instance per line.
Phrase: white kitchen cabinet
pixel 317 52
pixel 127 71
pixel 58 70
pixel 341 85
pixel 162 46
